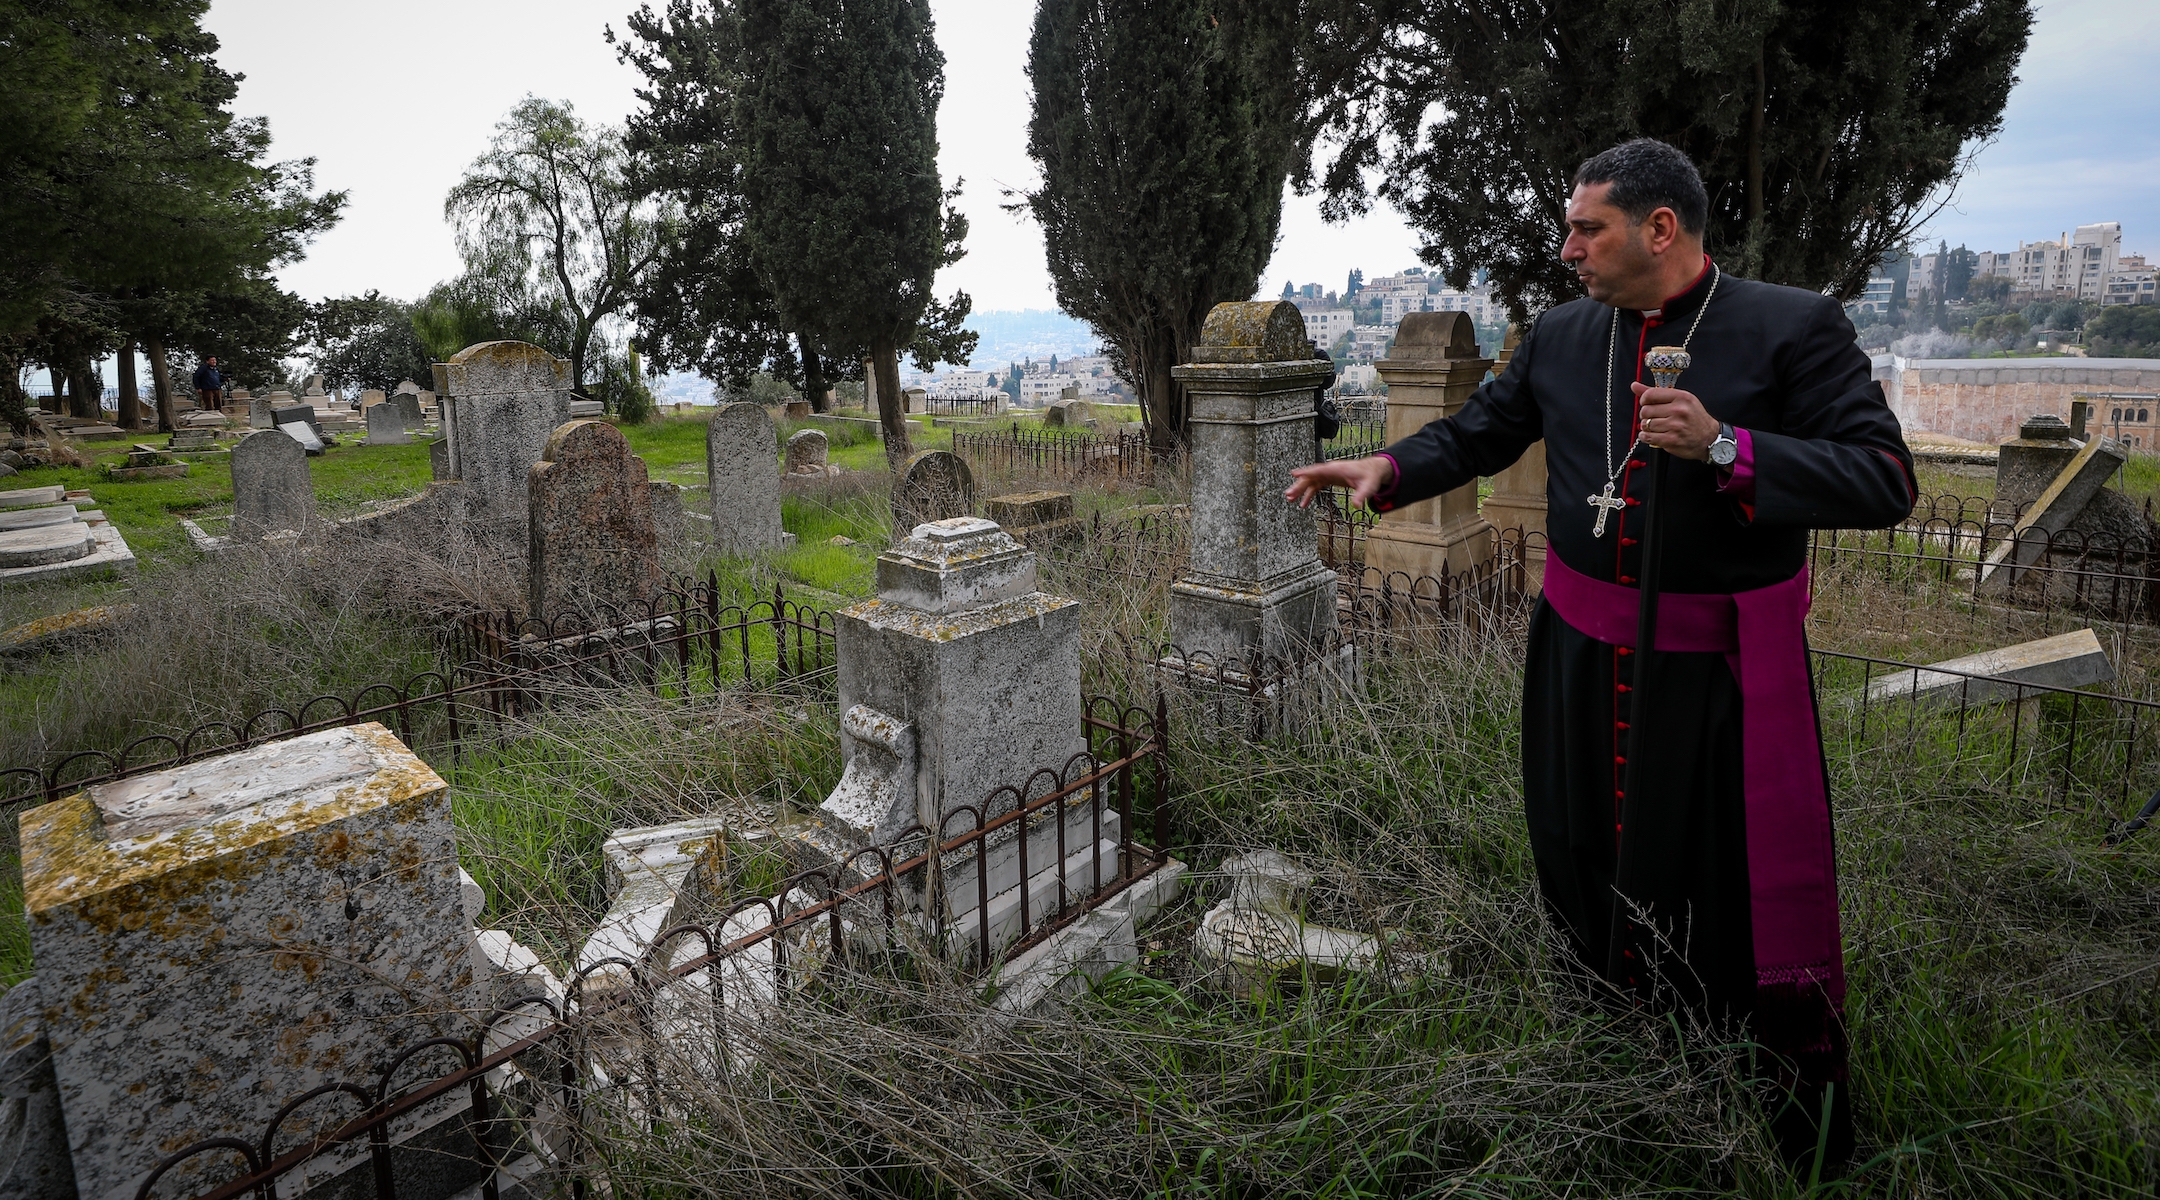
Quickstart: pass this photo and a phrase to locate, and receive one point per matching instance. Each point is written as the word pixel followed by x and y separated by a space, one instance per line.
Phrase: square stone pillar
pixel 214 939
pixel 1518 494
pixel 1256 586
pixel 1431 371
pixel 960 678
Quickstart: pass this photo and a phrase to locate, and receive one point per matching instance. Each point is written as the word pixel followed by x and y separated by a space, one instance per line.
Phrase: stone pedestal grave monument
pixel 742 469
pixel 501 402
pixel 1430 374
pixel 961 677
pixel 215 939
pixel 593 544
pixel 1256 597
pixel 1518 499
pixel 272 491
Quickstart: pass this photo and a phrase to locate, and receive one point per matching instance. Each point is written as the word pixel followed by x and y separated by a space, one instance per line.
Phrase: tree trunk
pixel 815 387
pixel 161 382
pixel 130 390
pixel 885 364
pixel 54 403
pixel 84 401
pixel 14 401
pixel 1165 397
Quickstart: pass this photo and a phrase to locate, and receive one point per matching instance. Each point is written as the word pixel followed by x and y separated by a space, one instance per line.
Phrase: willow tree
pixel 845 218
pixel 1164 130
pixel 1826 132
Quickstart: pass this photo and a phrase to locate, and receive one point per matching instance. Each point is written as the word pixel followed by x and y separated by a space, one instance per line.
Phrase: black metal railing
pixel 1125 771
pixel 498 668
pixel 1051 452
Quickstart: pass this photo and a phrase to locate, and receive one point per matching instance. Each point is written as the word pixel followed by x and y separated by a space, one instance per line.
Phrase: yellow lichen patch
pixel 81 620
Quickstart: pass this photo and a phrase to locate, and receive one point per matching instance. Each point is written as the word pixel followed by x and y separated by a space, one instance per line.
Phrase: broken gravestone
pixel 807 451
pixel 593 543
pixel 2070 660
pixel 2028 463
pixel 2081 479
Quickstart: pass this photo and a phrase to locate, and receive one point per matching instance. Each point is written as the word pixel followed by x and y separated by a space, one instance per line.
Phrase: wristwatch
pixel 1725 449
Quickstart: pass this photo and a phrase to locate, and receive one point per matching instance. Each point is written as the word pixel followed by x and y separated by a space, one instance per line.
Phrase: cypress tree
pixel 846 220
pixel 1165 131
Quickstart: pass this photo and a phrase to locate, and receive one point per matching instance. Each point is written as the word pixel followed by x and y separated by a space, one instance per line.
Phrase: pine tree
pixel 846 221
pixel 1823 130
pixel 1164 130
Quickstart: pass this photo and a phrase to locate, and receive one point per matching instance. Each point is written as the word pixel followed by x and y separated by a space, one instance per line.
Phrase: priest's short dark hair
pixel 1647 175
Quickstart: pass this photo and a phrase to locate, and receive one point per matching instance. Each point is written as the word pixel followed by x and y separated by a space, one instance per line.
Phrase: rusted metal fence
pixel 760 951
pixel 691 636
pixel 1065 455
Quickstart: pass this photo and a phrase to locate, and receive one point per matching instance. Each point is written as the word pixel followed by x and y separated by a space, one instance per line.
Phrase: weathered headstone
pixel 2070 660
pixel 796 410
pixel 501 402
pixel 742 467
pixel 386 426
pixel 408 407
pixel 1256 586
pixel 272 491
pixel 215 939
pixel 806 453
pixel 1430 373
pixel 593 543
pixel 934 485
pixel 914 400
pixel 1070 413
pixel 1037 519
pixel 370 397
pixel 959 629
pixel 406 388
pixel 2080 480
pixel 2026 464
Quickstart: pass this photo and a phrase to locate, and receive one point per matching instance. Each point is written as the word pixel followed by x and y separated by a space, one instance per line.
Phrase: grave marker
pixel 272 491
pixel 501 402
pixel 2070 660
pixel 593 542
pixel 806 453
pixel 1430 373
pixel 386 426
pixel 933 485
pixel 742 470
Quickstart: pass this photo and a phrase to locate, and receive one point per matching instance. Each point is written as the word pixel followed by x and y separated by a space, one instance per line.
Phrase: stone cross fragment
pixel 592 541
pixel 272 491
pixel 1256 586
pixel 214 939
pixel 742 470
pixel 501 401
pixel 386 425
pixel 1430 374
pixel 933 485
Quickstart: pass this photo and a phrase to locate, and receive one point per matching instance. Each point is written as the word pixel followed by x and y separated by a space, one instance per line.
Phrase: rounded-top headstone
pixel 1253 331
pixel 271 487
pixel 1436 335
pixel 806 452
pixel 934 485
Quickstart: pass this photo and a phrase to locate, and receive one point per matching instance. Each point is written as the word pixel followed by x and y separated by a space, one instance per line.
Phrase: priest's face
pixel 1615 256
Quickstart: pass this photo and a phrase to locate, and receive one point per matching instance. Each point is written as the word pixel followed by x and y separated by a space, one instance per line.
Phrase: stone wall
pixel 1984 400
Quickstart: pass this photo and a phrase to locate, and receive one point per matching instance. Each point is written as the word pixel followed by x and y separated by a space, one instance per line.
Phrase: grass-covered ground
pixel 2005 965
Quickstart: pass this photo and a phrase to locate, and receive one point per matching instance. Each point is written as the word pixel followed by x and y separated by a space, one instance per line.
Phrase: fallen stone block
pixel 2070 660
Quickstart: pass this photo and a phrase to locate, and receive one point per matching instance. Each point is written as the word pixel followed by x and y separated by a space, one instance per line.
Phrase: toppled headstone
pixel 933 485
pixel 63 629
pixel 272 490
pixel 2070 660
pixel 2081 479
pixel 743 473
pixel 807 450
pixel 592 537
pixel 650 876
pixel 2028 463
pixel 386 425
pixel 257 925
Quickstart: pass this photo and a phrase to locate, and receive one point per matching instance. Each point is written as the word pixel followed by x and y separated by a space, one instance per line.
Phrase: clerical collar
pixel 1653 314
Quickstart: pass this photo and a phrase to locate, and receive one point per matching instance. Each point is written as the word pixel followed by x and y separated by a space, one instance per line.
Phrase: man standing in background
pixel 209 385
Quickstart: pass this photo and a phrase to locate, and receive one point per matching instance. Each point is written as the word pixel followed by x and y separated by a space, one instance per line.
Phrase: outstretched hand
pixel 1363 476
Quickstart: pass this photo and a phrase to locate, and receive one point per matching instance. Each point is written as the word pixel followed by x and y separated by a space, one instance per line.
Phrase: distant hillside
pixel 1016 336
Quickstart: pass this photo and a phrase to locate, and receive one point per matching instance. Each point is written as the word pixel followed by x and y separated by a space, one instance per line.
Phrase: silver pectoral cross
pixel 1605 503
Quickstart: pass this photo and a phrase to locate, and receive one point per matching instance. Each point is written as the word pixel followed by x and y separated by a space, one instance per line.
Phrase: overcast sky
pixel 395 97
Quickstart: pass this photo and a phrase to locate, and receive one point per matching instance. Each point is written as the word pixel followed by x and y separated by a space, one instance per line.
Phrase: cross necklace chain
pixel 1605 502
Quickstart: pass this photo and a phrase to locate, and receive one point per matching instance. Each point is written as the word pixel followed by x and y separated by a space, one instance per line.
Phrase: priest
pixel 1700 878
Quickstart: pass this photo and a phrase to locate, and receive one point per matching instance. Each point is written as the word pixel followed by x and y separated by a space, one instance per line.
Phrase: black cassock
pixel 1820 449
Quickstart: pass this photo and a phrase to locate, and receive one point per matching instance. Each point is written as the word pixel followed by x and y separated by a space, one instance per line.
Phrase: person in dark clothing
pixel 1702 878
pixel 209 385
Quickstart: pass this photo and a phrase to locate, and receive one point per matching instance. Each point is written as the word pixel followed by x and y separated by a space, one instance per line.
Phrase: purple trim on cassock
pixel 1384 499
pixel 1792 874
pixel 1740 477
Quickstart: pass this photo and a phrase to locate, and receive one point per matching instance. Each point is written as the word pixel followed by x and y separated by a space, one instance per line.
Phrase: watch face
pixel 1723 452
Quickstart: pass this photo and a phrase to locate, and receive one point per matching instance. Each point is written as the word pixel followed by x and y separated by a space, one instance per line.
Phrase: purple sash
pixel 1792 874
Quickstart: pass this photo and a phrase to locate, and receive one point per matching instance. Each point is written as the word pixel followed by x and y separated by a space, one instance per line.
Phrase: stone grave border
pixel 1134 751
